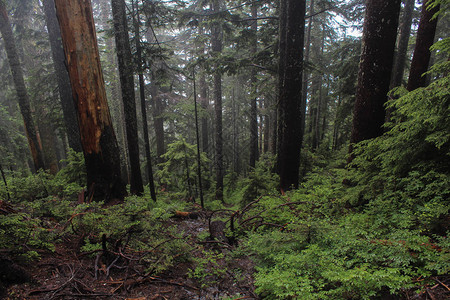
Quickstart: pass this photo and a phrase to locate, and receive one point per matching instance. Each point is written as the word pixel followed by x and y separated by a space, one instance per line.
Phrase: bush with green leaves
pixel 22 235
pixel 138 223
pixel 179 171
pixel 261 181
pixel 207 269
pixel 379 233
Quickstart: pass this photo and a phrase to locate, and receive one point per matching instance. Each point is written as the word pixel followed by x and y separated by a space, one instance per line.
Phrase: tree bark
pixel 216 47
pixel 379 34
pixel 48 140
pixel 253 94
pixel 197 135
pixel 64 88
pixel 137 37
pixel 204 102
pixel 21 90
pixel 306 74
pixel 158 119
pixel 128 94
pixel 100 149
pixel 402 47
pixel 290 108
pixel 115 102
pixel 422 53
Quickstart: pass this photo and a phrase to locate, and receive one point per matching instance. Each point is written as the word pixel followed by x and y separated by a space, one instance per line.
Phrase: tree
pixel 100 149
pixel 254 99
pixel 21 90
pixel 64 88
pixel 424 40
pixel 402 47
pixel 137 37
pixel 128 95
pixel 290 114
pixel 216 47
pixel 379 34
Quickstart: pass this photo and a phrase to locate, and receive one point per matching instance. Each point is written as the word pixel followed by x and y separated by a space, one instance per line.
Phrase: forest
pixel 224 149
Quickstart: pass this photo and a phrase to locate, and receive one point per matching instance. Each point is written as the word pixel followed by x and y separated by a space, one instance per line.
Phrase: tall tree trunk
pixel 281 74
pixel 21 90
pixel 115 102
pixel 48 140
pixel 422 53
pixel 100 149
pixel 128 94
pixel 402 47
pixel 253 94
pixel 137 37
pixel 216 46
pixel 197 135
pixel 158 118
pixel 321 106
pixel 290 113
pixel 64 88
pixel 379 34
pixel 336 126
pixel 267 122
pixel 306 74
pixel 204 102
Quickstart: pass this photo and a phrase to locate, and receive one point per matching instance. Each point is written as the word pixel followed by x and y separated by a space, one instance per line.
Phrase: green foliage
pixel 23 235
pixel 181 161
pixel 208 271
pixel 138 224
pixel 75 169
pixel 40 185
pixel 378 233
pixel 260 181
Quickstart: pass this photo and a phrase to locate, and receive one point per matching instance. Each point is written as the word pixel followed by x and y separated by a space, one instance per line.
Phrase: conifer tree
pixel 21 90
pixel 379 35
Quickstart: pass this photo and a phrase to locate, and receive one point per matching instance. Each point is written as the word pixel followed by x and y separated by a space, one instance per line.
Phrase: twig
pixel 111 265
pixel 443 284
pixel 87 295
pixel 431 295
pixel 96 266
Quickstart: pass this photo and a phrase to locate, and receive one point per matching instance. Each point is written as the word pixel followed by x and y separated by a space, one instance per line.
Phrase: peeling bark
pixel 64 88
pixel 98 140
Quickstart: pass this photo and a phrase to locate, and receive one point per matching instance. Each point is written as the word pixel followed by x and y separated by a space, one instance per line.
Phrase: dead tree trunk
pixel 101 152
pixel 64 88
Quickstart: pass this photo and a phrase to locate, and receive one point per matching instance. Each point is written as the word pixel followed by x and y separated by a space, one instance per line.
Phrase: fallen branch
pixel 443 284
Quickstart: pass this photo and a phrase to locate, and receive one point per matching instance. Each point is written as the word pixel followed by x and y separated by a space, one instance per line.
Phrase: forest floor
pixel 68 273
